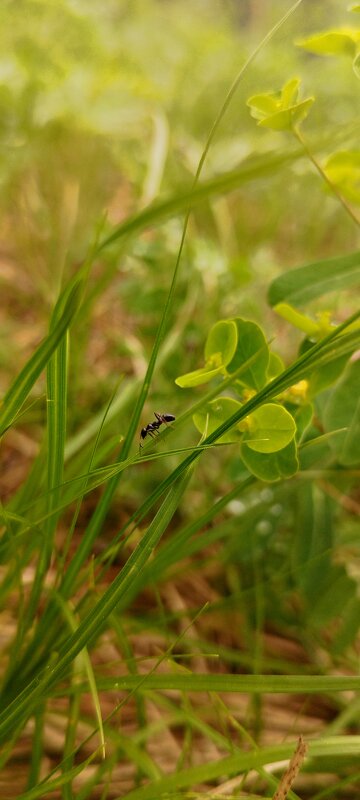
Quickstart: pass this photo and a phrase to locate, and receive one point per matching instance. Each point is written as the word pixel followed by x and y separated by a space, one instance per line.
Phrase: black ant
pixel 152 427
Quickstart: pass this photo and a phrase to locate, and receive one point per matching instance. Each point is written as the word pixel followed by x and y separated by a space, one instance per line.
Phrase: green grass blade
pixel 249 684
pixel 18 392
pixel 236 764
pixel 56 430
pixel 253 168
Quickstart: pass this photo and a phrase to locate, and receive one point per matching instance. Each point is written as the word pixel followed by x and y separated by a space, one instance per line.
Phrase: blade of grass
pixel 253 168
pixel 56 431
pixel 85 658
pixel 241 762
pixel 251 684
pixel 23 383
pixel 57 783
pixel 37 751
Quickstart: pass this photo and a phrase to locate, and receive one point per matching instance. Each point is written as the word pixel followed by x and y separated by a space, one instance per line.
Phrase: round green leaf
pixel 275 367
pixel 250 341
pixel 271 428
pixel 214 414
pixel 271 467
pixel 221 343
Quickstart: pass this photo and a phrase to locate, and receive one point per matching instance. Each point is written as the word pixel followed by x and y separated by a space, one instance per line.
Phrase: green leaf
pixel 275 367
pixel 221 343
pixel 343 170
pixel 271 467
pixel 331 43
pixel 252 168
pixel 219 349
pixel 303 417
pixel 198 377
pixel 299 286
pixel 343 411
pixel 250 341
pixel 326 375
pixel 288 118
pixel 262 105
pixel 300 321
pixel 280 110
pixel 270 428
pixel 323 375
pixel 18 392
pixel 214 414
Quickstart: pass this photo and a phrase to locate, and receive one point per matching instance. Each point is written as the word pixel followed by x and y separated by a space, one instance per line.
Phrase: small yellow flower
pixel 299 390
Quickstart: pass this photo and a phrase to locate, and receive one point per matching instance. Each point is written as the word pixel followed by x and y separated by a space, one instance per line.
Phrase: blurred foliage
pixel 104 112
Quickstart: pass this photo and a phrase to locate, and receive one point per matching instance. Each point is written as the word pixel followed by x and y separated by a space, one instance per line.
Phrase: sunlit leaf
pixel 280 110
pixel 331 43
pixel 288 118
pixel 270 428
pixel 198 377
pixel 343 170
pixel 251 340
pixel 221 342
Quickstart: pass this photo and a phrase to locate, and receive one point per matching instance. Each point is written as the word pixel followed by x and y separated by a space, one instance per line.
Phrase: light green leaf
pixel 214 414
pixel 221 343
pixel 270 428
pixel 262 105
pixel 298 320
pixel 343 170
pixel 288 118
pixel 331 43
pixel 299 286
pixel 251 340
pixel 271 467
pixel 275 367
pixel 197 377
pixel 290 92
pixel 303 417
pixel 280 110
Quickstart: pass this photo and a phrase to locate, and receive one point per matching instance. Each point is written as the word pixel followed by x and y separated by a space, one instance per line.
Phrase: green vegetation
pixel 179 193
